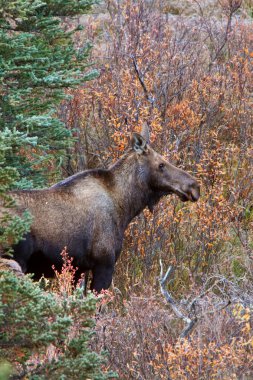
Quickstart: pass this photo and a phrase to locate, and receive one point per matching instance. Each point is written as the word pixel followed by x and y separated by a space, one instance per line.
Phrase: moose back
pixel 89 212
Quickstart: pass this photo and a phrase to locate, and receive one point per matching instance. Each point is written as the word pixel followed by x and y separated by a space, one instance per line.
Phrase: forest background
pixel 186 69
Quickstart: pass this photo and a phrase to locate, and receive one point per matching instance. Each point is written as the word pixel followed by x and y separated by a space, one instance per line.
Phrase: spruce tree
pixel 38 62
pixel 12 227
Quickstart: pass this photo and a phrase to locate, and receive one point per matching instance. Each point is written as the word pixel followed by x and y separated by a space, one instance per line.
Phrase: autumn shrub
pixel 143 339
pixel 65 278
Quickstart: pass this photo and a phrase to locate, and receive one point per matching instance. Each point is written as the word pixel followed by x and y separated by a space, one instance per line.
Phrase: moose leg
pixel 102 277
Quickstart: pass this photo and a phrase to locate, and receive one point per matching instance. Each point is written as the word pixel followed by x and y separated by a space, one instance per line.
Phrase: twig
pixel 233 5
pixel 141 80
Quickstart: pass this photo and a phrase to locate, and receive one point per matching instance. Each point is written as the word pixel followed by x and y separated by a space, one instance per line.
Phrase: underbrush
pixel 60 334
pixel 141 336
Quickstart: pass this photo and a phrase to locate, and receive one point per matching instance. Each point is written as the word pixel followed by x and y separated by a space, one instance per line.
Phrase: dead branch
pixel 190 322
pixel 190 317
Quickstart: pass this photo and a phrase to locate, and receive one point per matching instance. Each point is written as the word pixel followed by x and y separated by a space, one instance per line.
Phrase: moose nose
pixel 194 191
pixel 191 190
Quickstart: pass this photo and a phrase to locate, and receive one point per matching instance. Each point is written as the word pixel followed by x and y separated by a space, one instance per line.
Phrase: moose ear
pixel 139 144
pixel 145 131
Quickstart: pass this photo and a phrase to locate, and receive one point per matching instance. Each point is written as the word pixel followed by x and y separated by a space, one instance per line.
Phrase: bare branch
pixel 188 321
pixel 190 317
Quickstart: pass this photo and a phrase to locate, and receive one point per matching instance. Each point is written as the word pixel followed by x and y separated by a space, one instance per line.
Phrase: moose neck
pixel 131 191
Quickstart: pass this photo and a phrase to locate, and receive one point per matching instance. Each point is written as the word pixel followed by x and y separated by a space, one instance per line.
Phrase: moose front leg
pixel 102 276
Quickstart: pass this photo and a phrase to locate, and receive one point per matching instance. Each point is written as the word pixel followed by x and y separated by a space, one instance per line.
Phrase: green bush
pixel 45 335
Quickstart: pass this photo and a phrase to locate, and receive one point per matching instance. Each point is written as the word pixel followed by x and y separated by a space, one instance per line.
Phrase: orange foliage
pixel 65 278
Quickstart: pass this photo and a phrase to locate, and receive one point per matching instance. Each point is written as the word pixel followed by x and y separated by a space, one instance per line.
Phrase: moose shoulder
pixel 89 212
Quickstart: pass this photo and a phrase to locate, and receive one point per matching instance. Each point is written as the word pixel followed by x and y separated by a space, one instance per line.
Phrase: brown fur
pixel 89 212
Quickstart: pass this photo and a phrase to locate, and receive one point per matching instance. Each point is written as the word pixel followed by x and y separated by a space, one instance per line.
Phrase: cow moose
pixel 89 212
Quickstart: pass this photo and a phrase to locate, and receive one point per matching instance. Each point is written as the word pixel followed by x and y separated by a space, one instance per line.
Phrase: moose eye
pixel 161 166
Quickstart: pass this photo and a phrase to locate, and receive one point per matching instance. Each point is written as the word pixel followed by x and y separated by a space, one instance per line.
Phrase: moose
pixel 89 211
